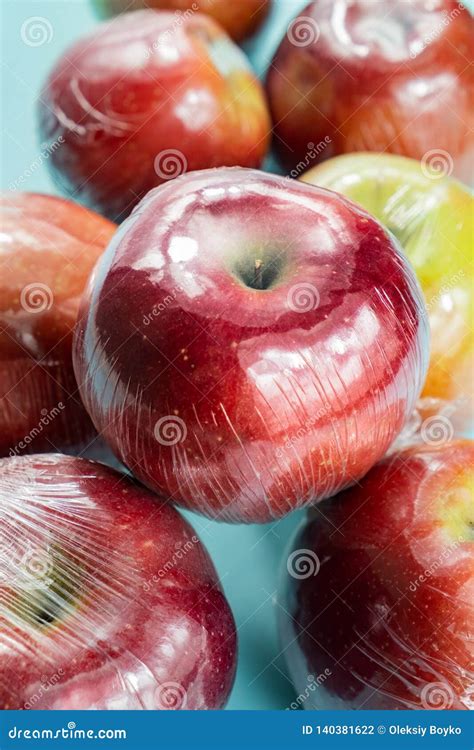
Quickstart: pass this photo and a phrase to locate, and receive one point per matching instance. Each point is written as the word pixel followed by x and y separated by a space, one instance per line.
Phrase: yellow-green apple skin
pixel 431 214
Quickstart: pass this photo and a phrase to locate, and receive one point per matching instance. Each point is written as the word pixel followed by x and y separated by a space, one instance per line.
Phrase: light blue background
pixel 247 557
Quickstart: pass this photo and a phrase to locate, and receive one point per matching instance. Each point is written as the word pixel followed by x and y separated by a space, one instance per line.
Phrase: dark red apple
pixel 48 247
pixel 390 75
pixel 239 18
pixel 378 600
pixel 249 344
pixel 108 599
pixel 145 98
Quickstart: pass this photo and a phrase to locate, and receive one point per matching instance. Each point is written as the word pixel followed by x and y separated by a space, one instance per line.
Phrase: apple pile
pixel 48 247
pixel 108 599
pixel 432 215
pixel 246 368
pixel 145 98
pixel 396 631
pixel 247 345
pixel 383 75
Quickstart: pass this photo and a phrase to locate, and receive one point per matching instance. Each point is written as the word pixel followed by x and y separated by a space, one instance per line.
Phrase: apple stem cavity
pixel 258 275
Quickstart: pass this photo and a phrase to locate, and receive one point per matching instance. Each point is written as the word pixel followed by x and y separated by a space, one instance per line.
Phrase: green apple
pixel 431 215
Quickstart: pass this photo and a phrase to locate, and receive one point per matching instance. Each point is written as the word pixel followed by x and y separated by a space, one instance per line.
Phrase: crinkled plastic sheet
pixel 108 600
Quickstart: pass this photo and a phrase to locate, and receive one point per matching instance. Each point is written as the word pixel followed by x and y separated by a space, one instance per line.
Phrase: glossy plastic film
pixel 432 216
pixel 108 599
pixel 244 368
pixel 48 247
pixel 145 98
pixel 366 75
pixel 376 601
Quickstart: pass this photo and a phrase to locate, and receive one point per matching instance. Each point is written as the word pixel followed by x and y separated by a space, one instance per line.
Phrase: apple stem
pixel 258 275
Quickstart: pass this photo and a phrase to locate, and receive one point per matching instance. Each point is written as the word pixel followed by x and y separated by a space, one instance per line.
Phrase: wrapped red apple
pixel 239 18
pixel 377 600
pixel 108 599
pixel 249 344
pixel 432 215
pixel 48 247
pixel 144 99
pixel 383 75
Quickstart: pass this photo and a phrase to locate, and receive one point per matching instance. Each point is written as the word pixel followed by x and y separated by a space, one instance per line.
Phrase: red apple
pixel 108 599
pixel 239 19
pixel 250 344
pixel 145 98
pixel 359 75
pixel 48 247
pixel 378 602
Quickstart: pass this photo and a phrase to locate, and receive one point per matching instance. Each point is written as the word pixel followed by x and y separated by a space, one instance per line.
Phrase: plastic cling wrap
pixel 245 368
pixel 377 594
pixel 48 247
pixel 432 216
pixel 108 599
pixel 144 99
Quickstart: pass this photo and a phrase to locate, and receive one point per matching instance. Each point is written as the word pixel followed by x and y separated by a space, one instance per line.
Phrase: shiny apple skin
pixel 48 247
pixel 432 216
pixel 245 404
pixel 389 613
pixel 239 19
pixel 143 99
pixel 108 599
pixel 380 76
